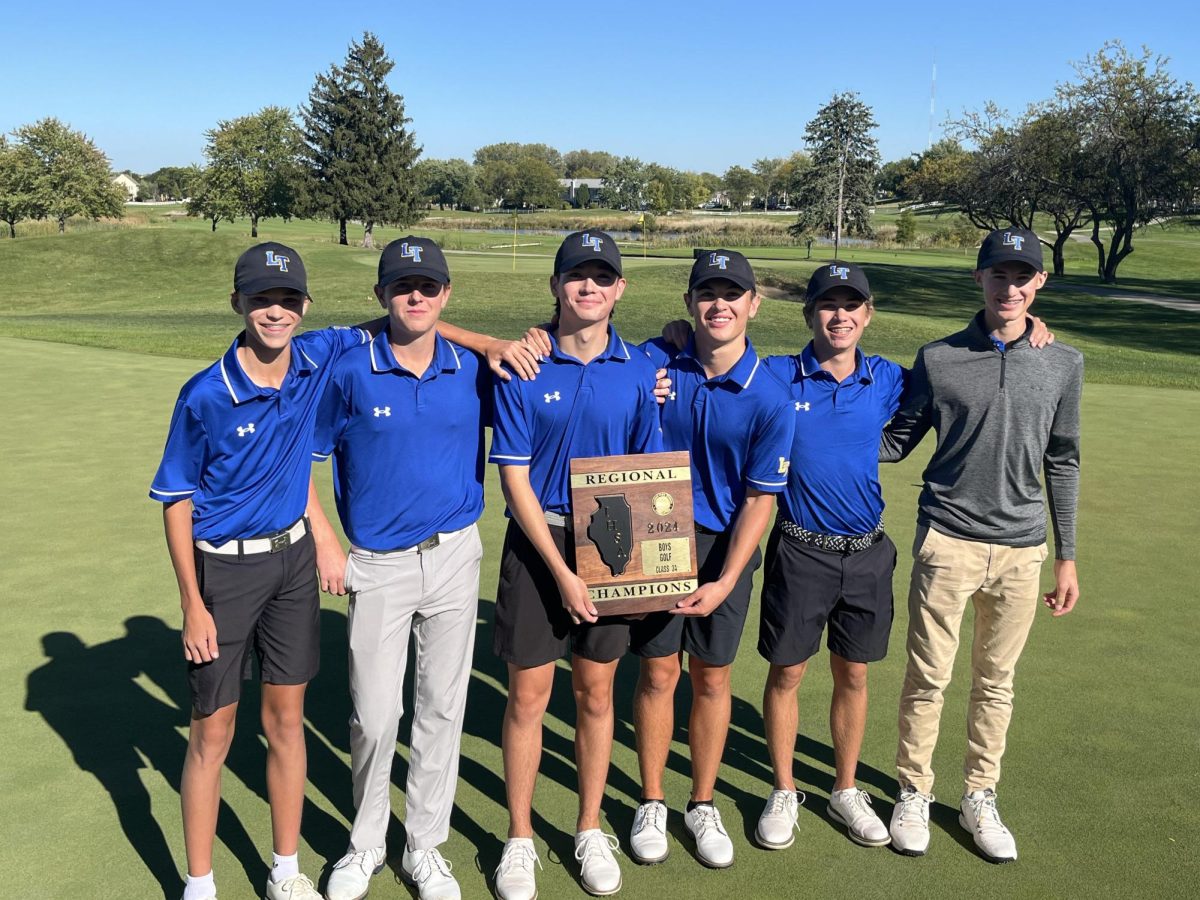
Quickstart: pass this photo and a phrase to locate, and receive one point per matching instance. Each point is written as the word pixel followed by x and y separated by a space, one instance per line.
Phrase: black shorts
pixel 265 605
pixel 803 588
pixel 713 638
pixel 532 626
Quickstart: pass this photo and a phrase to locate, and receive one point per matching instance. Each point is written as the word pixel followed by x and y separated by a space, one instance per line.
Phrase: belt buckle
pixel 429 543
pixel 280 541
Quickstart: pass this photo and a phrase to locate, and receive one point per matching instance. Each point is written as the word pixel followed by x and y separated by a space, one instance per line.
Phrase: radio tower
pixel 932 96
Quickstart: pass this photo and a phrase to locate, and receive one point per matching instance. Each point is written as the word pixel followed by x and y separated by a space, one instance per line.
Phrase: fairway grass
pixel 1101 778
pixel 125 288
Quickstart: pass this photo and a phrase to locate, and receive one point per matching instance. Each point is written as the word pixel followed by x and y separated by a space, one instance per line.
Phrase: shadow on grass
pixel 952 294
pixel 90 696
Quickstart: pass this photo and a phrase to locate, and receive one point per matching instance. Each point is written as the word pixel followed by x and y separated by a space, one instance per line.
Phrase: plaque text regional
pixel 635 541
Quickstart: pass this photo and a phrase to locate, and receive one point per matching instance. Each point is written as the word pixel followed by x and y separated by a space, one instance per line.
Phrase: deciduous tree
pixel 68 174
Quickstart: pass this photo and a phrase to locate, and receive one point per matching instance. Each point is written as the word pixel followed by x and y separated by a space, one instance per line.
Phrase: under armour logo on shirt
pixel 245 430
pixel 555 396
pixel 671 396
pixel 802 406
pixel 382 411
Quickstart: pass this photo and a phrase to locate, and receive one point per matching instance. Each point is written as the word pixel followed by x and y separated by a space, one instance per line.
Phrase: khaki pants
pixel 1003 583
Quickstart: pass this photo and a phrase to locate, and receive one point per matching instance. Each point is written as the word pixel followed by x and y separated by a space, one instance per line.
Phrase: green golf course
pixel 100 327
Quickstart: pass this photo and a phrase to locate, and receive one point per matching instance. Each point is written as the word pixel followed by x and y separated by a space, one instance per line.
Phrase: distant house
pixel 572 186
pixel 128 185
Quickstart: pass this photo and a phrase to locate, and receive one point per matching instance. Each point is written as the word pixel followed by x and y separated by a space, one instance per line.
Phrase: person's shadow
pixel 89 695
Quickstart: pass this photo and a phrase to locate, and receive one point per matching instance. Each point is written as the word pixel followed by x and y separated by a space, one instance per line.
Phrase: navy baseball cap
pixel 1011 245
pixel 837 275
pixel 585 246
pixel 727 264
pixel 412 256
pixel 269 265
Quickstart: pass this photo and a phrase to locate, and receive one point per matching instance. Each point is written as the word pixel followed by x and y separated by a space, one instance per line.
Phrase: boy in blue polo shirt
pixel 829 562
pixel 593 397
pixel 403 418
pixel 234 481
pixel 734 417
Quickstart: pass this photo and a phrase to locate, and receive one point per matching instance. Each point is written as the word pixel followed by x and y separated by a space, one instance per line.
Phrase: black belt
pixel 835 543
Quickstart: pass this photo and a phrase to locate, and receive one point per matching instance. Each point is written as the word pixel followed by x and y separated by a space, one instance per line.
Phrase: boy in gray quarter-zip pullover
pixel 1003 414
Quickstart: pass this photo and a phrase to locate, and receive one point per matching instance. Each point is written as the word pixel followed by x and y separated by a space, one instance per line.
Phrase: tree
pixel 587 163
pixel 498 181
pixel 740 185
pixel 253 165
pixel 893 176
pixel 768 171
pixel 207 201
pixel 357 144
pixel 536 183
pixel 170 182
pixel 624 186
pixel 839 187
pixel 16 173
pixel 1140 140
pixel 67 174
pixel 906 228
pixel 447 182
pixel 511 152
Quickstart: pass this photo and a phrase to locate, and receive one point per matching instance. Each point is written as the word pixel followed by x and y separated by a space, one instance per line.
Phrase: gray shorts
pixel 264 605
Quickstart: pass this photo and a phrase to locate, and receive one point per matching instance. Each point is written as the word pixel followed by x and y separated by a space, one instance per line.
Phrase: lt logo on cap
pixel 411 251
pixel 1013 240
pixel 244 430
pixel 719 261
pixel 593 242
pixel 279 262
pixel 841 272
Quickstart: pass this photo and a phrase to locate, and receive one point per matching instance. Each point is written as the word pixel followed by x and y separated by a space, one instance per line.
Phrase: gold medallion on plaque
pixel 635 543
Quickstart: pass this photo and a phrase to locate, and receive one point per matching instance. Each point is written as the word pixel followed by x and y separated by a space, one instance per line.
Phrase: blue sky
pixel 698 86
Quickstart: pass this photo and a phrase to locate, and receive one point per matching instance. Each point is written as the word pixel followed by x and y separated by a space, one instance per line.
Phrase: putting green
pixel 1100 780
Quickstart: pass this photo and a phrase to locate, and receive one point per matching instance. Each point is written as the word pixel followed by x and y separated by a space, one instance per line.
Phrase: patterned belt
pixel 835 543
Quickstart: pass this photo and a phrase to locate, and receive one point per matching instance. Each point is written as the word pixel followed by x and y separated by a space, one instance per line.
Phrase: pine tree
pixel 838 189
pixel 360 151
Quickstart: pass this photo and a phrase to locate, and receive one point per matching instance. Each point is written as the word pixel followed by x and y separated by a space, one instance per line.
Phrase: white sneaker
pixel 713 846
pixel 514 876
pixel 777 825
pixel 648 837
pixel 429 872
pixel 980 817
pixel 298 887
pixel 351 875
pixel 852 808
pixel 910 822
pixel 598 868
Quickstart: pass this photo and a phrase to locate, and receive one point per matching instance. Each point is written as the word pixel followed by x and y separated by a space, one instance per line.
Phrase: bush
pixel 906 228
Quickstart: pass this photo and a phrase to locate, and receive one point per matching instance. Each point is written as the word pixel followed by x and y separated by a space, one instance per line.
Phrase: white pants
pixel 433 595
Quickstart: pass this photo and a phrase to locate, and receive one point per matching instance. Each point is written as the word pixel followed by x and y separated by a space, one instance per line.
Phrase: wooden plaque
pixel 635 539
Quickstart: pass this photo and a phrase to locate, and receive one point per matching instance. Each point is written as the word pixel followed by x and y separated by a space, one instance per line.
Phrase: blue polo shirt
pixel 833 486
pixel 240 452
pixel 572 410
pixel 407 449
pixel 738 427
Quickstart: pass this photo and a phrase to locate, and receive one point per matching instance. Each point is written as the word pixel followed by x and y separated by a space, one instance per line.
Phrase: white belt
pixel 271 543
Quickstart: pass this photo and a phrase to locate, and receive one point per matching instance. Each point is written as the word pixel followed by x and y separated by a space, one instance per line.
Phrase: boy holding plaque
pixel 734 417
pixel 594 396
